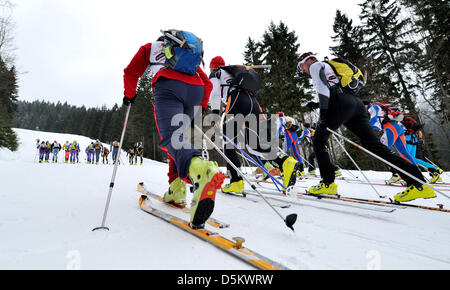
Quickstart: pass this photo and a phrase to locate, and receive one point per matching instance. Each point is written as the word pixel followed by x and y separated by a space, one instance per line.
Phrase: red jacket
pixel 139 64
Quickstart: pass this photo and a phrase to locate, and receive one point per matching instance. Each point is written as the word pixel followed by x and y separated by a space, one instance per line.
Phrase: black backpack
pixel 245 78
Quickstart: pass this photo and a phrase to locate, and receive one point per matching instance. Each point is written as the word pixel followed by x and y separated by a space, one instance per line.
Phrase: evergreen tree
pixel 348 40
pixel 283 88
pixel 8 97
pixel 252 54
pixel 432 23
pixel 390 51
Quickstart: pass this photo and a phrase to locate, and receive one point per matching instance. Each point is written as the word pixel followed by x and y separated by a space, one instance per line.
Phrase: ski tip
pixel 142 199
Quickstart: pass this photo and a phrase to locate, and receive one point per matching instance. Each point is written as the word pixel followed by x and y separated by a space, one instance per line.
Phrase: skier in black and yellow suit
pixel 139 151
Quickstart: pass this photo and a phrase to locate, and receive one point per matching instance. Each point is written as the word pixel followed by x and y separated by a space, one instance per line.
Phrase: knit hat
pixel 216 62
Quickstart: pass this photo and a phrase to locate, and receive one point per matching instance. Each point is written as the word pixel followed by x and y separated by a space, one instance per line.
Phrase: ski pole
pixel 289 220
pixel 254 162
pixel 354 162
pixel 386 162
pixel 113 177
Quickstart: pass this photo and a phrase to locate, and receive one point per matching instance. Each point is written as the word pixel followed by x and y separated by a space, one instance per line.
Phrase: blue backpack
pixel 183 50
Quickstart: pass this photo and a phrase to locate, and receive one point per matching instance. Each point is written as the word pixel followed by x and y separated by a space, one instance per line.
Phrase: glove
pixel 128 101
pixel 312 105
pixel 203 112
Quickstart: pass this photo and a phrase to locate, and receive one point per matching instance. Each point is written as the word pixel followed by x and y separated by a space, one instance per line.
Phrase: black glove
pixel 312 105
pixel 128 101
pixel 204 111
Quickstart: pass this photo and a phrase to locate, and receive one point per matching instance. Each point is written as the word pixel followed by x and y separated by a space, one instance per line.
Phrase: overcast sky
pixel 76 50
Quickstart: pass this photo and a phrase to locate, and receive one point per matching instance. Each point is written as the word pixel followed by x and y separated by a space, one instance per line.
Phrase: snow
pixel 48 211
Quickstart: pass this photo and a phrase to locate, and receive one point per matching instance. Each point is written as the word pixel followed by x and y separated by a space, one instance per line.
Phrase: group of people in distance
pixel 94 151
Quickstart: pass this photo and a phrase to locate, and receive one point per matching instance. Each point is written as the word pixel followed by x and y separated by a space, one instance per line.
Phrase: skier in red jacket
pixel 177 93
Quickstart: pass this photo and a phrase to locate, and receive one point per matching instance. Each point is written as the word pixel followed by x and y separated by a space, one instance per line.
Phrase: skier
pixel 385 119
pixel 66 148
pixel 47 151
pixel 176 92
pixel 130 155
pixel 114 148
pixel 338 105
pixel 42 149
pixel 243 102
pixel 90 152
pixel 288 128
pixel 74 148
pixel 98 149
pixel 139 150
pixel 412 137
pixel 105 153
pixel 55 149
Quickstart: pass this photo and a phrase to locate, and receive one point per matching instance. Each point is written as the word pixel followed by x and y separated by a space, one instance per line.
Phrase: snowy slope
pixel 47 212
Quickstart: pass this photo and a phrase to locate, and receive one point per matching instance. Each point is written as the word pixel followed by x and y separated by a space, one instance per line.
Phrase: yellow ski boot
pixel 269 167
pixel 206 180
pixel 290 167
pixel 436 175
pixel 176 194
pixel 322 188
pixel 234 187
pixel 413 192
pixel 394 178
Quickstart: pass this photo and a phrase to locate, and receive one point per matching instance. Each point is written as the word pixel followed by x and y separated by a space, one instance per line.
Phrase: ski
pixel 360 205
pixel 235 248
pixel 211 221
pixel 379 202
pixel 253 198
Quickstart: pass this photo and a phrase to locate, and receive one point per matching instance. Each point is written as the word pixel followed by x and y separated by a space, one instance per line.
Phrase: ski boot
pixel 300 174
pixel 395 178
pixel 206 180
pixel 436 175
pixel 312 172
pixel 322 188
pixel 290 167
pixel 337 173
pixel 234 187
pixel 413 192
pixel 270 168
pixel 176 194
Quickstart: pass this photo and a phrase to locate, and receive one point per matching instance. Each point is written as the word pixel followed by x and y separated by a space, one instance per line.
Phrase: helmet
pixel 216 62
pixel 280 114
